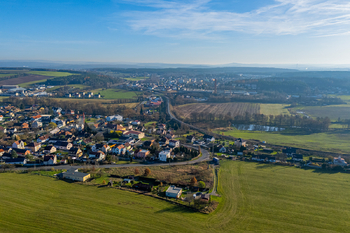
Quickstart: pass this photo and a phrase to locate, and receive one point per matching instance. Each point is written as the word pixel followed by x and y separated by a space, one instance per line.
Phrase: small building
pixel 339 161
pixel 164 155
pixel 50 160
pixel 73 174
pixel 33 146
pixel 240 142
pixel 43 138
pixel 114 117
pixel 135 134
pixel 208 138
pixel 174 143
pixel 18 144
pixel 190 139
pixel 142 154
pixel 297 157
pixel 50 149
pixel 173 192
pixel 19 161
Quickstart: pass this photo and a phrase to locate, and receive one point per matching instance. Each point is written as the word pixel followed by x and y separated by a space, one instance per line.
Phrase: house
pixel 161 131
pixel 161 126
pixel 73 174
pixel 135 134
pixel 50 160
pixel 114 117
pixel 1 117
pixel 190 139
pixel 120 149
pixel 205 197
pixel 3 130
pixel 25 125
pixel 151 130
pixel 33 146
pixel 164 155
pixel 22 152
pixel 339 161
pixel 136 122
pixel 174 143
pixel 297 157
pixel 50 149
pixel 143 154
pixel 99 155
pixel 18 144
pixel 173 192
pixel 20 161
pixel 222 149
pixel 43 139
pixel 103 147
pixel 289 151
pixel 37 124
pixel 240 142
pixel 75 152
pixel 208 138
pixel 36 118
pixel 169 135
pixel 142 186
pixel 62 145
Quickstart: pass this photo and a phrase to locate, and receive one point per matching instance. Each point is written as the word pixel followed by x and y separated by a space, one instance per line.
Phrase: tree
pixel 201 184
pixel 193 181
pixel 147 171
pixel 14 154
pixel 52 125
pixel 136 172
pixel 109 157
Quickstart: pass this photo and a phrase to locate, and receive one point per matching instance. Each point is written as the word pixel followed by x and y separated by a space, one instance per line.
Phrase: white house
pixel 135 134
pixel 18 145
pixel 103 147
pixel 339 161
pixel 173 192
pixel 114 117
pixel 174 143
pixel 164 155
pixel 1 118
pixel 118 150
pixel 99 155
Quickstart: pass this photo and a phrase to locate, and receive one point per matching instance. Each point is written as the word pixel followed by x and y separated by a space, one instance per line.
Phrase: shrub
pixel 201 184
pixel 147 171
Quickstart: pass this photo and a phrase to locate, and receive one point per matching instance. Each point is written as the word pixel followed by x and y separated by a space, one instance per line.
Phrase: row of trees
pixel 318 124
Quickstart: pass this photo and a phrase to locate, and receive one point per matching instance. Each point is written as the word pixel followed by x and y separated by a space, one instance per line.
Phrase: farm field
pixel 274 109
pixel 254 198
pixel 23 80
pixel 217 108
pixel 127 105
pixel 6 75
pixel 51 73
pixel 332 141
pixel 331 111
pixel 115 93
pixel 83 100
pixel 80 86
pixel 136 79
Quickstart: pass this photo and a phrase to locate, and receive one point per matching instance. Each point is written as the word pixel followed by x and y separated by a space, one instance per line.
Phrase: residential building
pixel 209 138
pixel 18 144
pixel 43 138
pixel 37 124
pixel 173 192
pixel 50 160
pixel 33 147
pixel 120 149
pixel 75 152
pixel 190 139
pixel 135 134
pixel 20 161
pixel 114 117
pixel 103 147
pixel 164 155
pixel 73 174
pixel 99 155
pixel 62 145
pixel 50 149
pixel 174 143
pixel 339 161
pixel 240 142
pixel 142 154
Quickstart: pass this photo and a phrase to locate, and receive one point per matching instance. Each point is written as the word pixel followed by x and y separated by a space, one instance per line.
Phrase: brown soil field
pixel 235 109
pixel 23 79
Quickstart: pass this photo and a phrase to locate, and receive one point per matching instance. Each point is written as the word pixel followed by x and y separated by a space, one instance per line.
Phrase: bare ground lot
pixel 23 79
pixel 233 109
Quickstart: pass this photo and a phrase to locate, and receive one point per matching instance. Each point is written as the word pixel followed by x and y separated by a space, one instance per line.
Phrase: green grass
pixel 115 93
pixel 254 198
pixel 274 109
pixel 51 73
pixel 332 141
pixel 136 79
pixel 6 75
pixel 150 123
pixel 331 111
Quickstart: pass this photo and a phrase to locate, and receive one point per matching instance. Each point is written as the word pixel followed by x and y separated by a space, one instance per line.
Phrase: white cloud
pixel 194 19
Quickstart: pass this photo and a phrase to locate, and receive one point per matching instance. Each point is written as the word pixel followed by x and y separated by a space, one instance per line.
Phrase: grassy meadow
pixel 331 111
pixel 51 73
pixel 6 75
pixel 332 141
pixel 115 93
pixel 254 198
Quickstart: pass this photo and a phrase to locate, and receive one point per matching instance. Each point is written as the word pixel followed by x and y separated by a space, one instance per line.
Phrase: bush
pixel 201 184
pixel 147 171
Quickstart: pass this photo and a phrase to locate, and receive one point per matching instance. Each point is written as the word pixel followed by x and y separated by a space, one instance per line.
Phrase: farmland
pixel 254 198
pixel 332 141
pixel 136 79
pixel 6 75
pixel 23 80
pixel 51 73
pixel 115 93
pixel 233 109
pixel 274 109
pixel 331 111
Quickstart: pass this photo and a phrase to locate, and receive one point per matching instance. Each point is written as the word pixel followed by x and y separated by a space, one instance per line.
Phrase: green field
pixel 274 109
pixel 331 111
pixel 136 79
pixel 51 73
pixel 6 75
pixel 80 86
pixel 333 141
pixel 254 198
pixel 115 93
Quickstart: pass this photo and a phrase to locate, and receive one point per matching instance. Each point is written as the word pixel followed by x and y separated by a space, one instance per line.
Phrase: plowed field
pixel 234 109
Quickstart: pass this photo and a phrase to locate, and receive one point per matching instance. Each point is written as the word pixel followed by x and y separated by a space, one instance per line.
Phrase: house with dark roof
pixel 208 138
pixel 20 161
pixel 50 160
pixel 75 175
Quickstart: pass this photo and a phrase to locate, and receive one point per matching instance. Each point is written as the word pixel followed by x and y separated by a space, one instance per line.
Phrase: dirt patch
pixel 23 79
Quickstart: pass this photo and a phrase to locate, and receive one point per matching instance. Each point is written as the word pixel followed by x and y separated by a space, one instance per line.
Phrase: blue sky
pixel 171 31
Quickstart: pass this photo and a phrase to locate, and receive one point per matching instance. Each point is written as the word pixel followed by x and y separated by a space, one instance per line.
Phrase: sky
pixel 176 31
